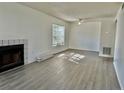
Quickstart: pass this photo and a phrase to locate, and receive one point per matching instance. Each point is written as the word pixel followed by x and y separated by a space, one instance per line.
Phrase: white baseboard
pixel 47 55
pixel 84 49
pixel 44 57
pixel 119 80
pixel 56 52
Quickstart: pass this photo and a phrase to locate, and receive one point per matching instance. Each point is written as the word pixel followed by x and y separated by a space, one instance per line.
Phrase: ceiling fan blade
pixel 96 18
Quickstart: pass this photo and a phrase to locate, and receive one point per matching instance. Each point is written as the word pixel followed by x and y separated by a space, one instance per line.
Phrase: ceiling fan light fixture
pixel 79 23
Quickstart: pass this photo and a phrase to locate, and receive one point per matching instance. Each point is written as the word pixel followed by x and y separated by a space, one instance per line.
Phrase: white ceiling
pixel 72 11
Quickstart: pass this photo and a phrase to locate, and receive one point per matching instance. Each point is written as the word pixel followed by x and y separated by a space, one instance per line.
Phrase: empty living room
pixel 61 45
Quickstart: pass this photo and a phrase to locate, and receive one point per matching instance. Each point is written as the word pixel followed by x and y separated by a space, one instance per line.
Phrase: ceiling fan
pixel 91 19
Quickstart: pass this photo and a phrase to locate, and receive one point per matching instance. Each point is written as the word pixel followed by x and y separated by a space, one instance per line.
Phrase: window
pixel 58 35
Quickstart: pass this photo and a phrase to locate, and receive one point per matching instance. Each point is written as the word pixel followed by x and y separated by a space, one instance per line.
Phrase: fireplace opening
pixel 11 56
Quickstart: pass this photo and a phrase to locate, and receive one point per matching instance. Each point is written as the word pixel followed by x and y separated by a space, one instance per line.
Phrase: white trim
pixel 119 80
pixel 85 49
pixel 102 55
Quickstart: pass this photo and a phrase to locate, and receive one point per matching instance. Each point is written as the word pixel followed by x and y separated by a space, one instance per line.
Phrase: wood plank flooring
pixel 70 70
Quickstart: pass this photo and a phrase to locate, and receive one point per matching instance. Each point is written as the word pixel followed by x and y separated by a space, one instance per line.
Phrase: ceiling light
pixel 79 23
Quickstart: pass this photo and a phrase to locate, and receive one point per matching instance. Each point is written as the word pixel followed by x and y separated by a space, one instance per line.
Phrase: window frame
pixel 53 35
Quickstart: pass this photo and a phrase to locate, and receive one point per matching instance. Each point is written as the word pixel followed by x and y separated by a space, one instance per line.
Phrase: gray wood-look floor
pixel 72 69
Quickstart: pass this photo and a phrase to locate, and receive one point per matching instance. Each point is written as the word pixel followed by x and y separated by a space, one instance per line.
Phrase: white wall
pixel 85 36
pixel 119 48
pixel 21 22
pixel 107 37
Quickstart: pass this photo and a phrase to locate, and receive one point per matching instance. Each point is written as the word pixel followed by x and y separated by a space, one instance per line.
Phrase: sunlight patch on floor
pixel 72 57
pixel 61 55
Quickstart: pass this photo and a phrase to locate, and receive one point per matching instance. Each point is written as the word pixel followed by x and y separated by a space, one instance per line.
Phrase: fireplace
pixel 11 56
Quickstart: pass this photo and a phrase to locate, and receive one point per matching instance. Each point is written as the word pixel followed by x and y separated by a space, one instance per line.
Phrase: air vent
pixel 106 50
